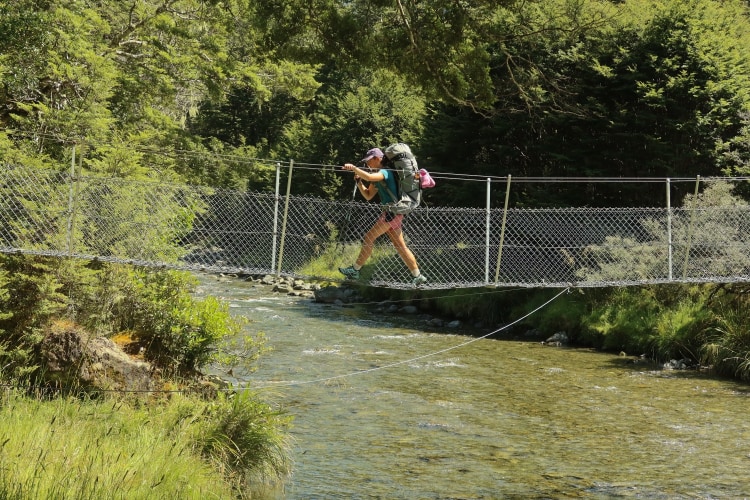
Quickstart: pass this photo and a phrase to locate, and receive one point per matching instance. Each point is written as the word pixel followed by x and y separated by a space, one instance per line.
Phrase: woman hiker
pixel 383 182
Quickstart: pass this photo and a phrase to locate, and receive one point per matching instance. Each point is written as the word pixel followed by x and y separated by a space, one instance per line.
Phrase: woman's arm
pixel 369 191
pixel 364 174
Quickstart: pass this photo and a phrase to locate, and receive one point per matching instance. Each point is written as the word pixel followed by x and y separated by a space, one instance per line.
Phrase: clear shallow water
pixel 491 419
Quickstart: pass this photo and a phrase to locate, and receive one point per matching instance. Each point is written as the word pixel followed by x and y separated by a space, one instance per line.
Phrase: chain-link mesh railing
pixel 197 228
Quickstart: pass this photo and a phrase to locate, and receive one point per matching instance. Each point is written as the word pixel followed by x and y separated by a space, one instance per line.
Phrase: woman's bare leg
pixel 368 242
pixel 397 238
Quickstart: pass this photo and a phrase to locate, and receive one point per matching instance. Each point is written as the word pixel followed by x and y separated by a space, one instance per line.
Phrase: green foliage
pixel 560 88
pixel 708 220
pixel 621 258
pixel 679 329
pixel 31 297
pixel 158 217
pixel 371 109
pixel 637 89
pixel 178 331
pixel 563 314
pixel 623 322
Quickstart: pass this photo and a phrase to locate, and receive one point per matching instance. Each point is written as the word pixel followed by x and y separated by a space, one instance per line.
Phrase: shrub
pixel 177 330
pixel 30 297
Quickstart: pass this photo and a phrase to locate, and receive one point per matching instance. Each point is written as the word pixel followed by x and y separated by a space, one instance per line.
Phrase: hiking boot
pixel 349 272
pixel 419 280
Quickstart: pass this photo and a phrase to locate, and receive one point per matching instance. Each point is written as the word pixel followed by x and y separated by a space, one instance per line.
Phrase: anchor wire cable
pixel 273 385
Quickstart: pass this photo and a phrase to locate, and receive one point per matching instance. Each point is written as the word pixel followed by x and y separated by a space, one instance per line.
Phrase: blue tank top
pixel 389 179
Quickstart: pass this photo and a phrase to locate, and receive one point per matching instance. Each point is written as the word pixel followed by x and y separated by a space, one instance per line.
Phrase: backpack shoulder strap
pixel 393 196
pixel 384 182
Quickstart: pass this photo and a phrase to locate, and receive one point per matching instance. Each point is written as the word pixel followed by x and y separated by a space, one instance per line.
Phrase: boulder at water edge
pixel 74 358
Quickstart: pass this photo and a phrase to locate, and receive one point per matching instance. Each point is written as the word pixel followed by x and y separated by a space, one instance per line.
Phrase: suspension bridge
pixel 145 223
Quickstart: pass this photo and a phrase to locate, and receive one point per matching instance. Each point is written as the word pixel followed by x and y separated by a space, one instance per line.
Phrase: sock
pixel 415 272
pixel 356 266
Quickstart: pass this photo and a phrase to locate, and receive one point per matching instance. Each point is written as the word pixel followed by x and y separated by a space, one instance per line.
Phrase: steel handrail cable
pixel 435 174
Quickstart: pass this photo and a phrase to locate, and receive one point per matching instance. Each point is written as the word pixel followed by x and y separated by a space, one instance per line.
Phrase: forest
pixel 196 91
pixel 213 92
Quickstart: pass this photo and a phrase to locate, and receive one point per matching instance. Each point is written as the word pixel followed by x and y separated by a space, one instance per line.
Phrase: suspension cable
pixel 435 174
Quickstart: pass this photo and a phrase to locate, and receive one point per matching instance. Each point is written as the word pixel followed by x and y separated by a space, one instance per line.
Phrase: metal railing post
pixel 283 223
pixel 502 231
pixel 275 218
pixel 71 188
pixel 487 237
pixel 689 235
pixel 669 228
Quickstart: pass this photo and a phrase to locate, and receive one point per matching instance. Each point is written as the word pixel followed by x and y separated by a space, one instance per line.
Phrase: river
pixel 377 416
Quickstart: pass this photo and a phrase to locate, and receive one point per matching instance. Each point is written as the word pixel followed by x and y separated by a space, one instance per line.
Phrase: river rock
pixel 327 295
pixel 301 285
pixel 268 280
pixel 559 339
pixel 331 294
pixel 74 358
pixel 677 364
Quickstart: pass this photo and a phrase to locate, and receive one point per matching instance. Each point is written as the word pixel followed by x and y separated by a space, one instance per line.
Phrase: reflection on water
pixel 492 419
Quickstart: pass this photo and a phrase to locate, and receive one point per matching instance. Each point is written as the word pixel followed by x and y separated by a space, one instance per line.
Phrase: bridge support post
pixel 669 228
pixel 71 200
pixel 689 235
pixel 487 237
pixel 502 232
pixel 284 219
pixel 275 217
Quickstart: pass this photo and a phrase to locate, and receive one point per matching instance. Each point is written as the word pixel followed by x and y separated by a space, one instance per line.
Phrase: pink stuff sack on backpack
pixel 425 180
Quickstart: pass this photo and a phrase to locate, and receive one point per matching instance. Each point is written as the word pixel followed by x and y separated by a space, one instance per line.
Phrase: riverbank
pixel 682 326
pixel 102 376
pixel 697 326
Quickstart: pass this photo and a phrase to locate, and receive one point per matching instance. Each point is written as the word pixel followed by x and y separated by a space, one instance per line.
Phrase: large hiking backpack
pixel 402 161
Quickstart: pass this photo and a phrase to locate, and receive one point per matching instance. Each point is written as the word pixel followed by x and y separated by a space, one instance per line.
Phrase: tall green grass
pixel 326 265
pixel 662 322
pixel 727 345
pixel 73 449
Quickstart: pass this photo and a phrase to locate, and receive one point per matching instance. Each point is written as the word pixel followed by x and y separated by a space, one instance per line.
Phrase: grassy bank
pixel 179 447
